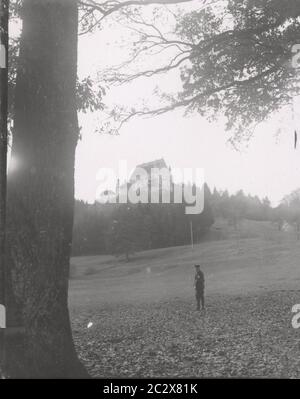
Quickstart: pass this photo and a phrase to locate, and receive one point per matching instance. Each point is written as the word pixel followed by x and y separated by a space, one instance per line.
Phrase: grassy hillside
pixel 143 316
pixel 267 260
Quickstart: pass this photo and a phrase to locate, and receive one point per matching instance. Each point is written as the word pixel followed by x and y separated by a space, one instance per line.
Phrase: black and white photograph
pixel 149 192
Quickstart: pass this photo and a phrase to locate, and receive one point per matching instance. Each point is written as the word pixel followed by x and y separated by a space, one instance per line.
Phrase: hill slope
pixel 138 319
pixel 268 260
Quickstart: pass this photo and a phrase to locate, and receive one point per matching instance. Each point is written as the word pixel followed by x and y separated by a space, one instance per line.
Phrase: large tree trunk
pixel 41 193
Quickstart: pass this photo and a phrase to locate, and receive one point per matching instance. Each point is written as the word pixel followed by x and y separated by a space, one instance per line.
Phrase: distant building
pixel 149 168
pixel 153 177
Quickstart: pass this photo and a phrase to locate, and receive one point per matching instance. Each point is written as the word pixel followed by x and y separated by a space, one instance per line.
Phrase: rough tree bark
pixel 41 193
pixel 4 6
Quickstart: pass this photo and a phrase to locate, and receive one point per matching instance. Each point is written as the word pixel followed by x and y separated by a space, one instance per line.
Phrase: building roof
pixel 158 163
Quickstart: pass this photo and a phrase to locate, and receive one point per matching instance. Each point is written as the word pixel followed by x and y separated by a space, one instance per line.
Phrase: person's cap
pixel 196 266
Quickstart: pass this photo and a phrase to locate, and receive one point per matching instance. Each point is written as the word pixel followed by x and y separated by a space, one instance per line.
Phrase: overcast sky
pixel 266 166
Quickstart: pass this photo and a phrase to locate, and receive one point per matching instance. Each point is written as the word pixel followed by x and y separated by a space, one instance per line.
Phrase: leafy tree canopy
pixel 234 59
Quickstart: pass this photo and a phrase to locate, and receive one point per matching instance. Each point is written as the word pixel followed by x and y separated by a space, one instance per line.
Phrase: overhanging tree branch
pixel 106 8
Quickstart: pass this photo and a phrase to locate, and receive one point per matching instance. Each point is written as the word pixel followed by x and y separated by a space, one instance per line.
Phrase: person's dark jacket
pixel 199 281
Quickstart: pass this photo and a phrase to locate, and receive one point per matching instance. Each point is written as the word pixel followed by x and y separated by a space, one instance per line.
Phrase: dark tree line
pixel 240 206
pixel 123 229
pixel 289 212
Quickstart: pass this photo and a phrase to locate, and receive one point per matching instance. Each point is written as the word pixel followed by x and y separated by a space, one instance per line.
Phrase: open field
pixel 144 322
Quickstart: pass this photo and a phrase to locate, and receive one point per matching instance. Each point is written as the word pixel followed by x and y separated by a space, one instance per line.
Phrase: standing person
pixel 199 287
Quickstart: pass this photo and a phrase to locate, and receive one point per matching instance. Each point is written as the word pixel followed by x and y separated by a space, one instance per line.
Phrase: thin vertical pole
pixel 4 12
pixel 294 124
pixel 192 234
